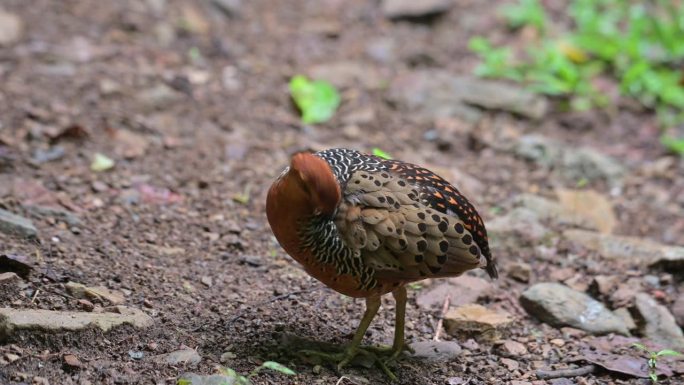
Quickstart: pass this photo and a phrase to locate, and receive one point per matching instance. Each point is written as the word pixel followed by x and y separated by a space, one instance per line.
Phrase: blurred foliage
pixel 317 100
pixel 638 44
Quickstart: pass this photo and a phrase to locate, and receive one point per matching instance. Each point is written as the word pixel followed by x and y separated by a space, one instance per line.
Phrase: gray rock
pixel 519 227
pixel 347 74
pixel 559 305
pixel 9 277
pixel 14 320
pixel 549 210
pixel 439 94
pixel 678 310
pixel 573 163
pixel 16 225
pixel 659 324
pixel 229 8
pixel 215 379
pixel 157 97
pixel 414 8
pixel 436 351
pixel 382 49
pixel 637 250
pixel 11 28
pixel 55 212
pixel 183 356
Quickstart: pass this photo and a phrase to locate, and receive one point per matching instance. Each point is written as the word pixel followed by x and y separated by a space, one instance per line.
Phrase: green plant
pixel 528 12
pixel 230 376
pixel 317 100
pixel 638 44
pixel 653 359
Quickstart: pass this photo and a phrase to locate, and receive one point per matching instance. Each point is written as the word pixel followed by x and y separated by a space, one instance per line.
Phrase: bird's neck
pixel 288 210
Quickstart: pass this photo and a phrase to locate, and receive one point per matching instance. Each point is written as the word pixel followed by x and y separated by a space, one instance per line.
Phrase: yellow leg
pixel 372 306
pixel 398 344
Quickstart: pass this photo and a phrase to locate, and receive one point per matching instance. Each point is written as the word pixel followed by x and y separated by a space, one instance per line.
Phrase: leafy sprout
pixel 653 359
pixel 230 376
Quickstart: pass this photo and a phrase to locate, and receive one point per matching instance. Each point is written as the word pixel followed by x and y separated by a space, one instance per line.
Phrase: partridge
pixel 366 226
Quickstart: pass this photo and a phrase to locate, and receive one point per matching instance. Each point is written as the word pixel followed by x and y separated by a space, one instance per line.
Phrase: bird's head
pixel 308 185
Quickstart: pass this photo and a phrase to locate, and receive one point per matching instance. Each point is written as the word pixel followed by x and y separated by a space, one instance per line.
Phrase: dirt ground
pixel 192 104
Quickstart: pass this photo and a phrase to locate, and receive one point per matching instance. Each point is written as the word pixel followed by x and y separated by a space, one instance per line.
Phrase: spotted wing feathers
pixel 381 216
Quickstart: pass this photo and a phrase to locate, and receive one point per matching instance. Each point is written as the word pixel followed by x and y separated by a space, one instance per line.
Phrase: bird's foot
pixel 360 356
pixel 390 353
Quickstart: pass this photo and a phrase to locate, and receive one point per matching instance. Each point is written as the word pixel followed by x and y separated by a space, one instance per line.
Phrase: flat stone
pixel 573 163
pixel 54 212
pixel 15 320
pixel 512 348
pixel 80 290
pixel 347 74
pixel 476 321
pixel 214 379
pixel 520 227
pixel 559 305
pixel 626 317
pixel 637 250
pixel 183 356
pixel 552 211
pixel 462 290
pixel 590 205
pixel 520 271
pixel 659 324
pixel 17 225
pixel 395 9
pixel 440 94
pixel 9 277
pixel 436 351
pixel 11 28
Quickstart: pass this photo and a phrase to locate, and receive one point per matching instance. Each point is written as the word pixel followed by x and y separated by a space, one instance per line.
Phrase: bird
pixel 367 226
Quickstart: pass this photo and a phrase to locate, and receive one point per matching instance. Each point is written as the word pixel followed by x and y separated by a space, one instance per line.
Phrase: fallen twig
pixel 445 308
pixel 575 372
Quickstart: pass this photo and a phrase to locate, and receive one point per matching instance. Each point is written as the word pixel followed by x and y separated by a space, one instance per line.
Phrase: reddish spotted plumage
pixel 366 226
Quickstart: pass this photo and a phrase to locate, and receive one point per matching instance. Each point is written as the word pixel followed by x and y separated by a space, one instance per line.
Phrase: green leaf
pixel 183 381
pixel 381 154
pixel 317 100
pixel 278 367
pixel 673 144
pixel 669 352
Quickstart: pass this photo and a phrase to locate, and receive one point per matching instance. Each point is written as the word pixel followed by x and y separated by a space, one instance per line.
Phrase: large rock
pixel 440 94
pixel 659 324
pixel 414 8
pixel 637 250
pixel 15 320
pixel 559 305
pixel 16 225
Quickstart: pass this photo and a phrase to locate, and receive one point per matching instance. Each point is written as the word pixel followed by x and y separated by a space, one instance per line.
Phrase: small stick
pixel 445 308
pixel 575 372
pixel 35 295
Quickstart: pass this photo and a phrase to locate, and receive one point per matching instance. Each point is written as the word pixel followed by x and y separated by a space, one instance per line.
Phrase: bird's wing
pixel 398 236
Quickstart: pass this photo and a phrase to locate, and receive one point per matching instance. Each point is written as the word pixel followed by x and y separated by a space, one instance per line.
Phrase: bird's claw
pixel 370 356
